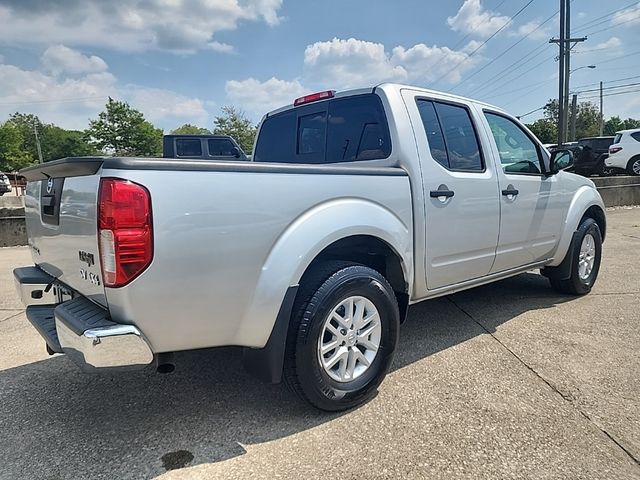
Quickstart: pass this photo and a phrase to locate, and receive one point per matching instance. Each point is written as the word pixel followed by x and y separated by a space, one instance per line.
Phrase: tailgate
pixel 60 209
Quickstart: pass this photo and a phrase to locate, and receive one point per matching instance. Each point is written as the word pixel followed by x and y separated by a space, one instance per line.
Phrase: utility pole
pixel 601 113
pixel 574 114
pixel 561 43
pixel 564 65
pixel 35 131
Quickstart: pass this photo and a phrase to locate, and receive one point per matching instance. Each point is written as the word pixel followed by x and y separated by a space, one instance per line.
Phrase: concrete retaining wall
pixel 614 190
pixel 12 226
pixel 619 190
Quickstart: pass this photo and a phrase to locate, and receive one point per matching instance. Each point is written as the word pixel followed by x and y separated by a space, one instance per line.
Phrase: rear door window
pixel 636 136
pixel 221 147
pixel 451 136
pixel 188 147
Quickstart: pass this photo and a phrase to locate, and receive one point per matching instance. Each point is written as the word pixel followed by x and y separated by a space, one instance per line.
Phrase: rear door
pixel 532 204
pixel 461 191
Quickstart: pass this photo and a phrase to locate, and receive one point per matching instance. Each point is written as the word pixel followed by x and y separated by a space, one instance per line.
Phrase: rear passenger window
pixel 188 147
pixel 636 136
pixel 518 153
pixel 221 147
pixel 341 130
pixel 452 139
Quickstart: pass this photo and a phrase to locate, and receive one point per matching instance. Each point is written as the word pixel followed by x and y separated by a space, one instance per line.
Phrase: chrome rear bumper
pixel 80 328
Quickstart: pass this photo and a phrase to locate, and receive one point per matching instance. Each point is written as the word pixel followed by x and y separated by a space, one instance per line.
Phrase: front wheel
pixel 587 253
pixel 342 337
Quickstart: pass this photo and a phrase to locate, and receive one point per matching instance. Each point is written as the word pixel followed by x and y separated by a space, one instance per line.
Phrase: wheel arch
pixel 586 202
pixel 346 229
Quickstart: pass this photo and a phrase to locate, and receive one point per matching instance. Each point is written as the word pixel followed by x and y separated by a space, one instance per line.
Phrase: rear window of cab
pixel 346 129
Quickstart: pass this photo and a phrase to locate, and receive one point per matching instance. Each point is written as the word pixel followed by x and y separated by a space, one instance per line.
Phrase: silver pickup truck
pixel 356 205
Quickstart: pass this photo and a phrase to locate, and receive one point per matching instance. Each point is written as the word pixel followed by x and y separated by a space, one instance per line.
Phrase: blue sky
pixel 179 61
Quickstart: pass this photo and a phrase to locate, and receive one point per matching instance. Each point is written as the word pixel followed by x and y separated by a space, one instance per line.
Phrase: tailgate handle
pixel 48 201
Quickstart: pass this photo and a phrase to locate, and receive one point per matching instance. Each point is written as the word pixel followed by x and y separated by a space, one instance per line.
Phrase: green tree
pixel 545 130
pixel 26 124
pixel 12 154
pixel 188 129
pixel 122 130
pixel 60 143
pixel 587 118
pixel 233 122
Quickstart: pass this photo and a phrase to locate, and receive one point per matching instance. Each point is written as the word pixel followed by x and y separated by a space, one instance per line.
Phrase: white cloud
pixel 341 64
pixel 260 97
pixel 631 16
pixel 135 25
pixel 355 63
pixel 351 63
pixel 472 18
pixel 426 64
pixel 221 47
pixel 70 100
pixel 613 42
pixel 529 29
pixel 58 59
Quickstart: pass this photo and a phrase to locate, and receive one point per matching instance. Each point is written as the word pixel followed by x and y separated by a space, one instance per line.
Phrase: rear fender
pixel 300 244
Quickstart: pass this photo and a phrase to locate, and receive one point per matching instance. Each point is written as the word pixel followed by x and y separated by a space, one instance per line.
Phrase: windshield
pixel 617 139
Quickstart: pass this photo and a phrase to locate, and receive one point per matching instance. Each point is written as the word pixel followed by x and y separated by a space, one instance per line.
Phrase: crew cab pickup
pixel 356 205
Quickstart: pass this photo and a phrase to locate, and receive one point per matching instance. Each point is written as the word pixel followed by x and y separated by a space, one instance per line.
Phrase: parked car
pixel 624 153
pixel 208 147
pixel 356 204
pixel 591 159
pixel 5 184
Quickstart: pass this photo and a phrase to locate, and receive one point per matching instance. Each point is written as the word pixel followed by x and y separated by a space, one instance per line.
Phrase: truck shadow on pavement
pixel 60 423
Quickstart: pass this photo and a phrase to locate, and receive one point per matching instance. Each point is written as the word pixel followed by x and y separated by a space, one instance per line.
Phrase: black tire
pixel 321 289
pixel 574 285
pixel 634 162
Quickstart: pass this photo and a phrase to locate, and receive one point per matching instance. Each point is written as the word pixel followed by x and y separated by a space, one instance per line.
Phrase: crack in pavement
pixel 12 316
pixel 564 396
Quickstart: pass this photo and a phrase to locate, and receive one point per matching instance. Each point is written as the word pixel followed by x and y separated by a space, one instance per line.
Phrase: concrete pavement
pixel 509 380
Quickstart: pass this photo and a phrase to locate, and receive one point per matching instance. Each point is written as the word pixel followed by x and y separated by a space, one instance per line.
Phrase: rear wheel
pixel 342 337
pixel 587 253
pixel 633 167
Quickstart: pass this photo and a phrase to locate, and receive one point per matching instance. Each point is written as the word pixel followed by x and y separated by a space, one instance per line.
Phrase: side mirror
pixel 235 151
pixel 560 160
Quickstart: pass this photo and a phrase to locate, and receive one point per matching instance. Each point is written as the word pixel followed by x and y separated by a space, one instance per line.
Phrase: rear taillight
pixel 125 232
pixel 613 150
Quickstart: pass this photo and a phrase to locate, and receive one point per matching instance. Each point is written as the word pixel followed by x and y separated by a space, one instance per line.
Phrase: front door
pixel 461 193
pixel 532 207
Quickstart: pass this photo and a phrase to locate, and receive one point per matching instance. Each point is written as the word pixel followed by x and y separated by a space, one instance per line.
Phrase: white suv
pixel 624 153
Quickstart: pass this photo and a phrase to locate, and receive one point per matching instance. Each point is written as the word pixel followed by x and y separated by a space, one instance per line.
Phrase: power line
pixel 499 87
pixel 505 51
pixel 611 94
pixel 461 41
pixel 512 67
pixel 608 88
pixel 506 24
pixel 637 17
pixel 608 81
pixel 594 22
